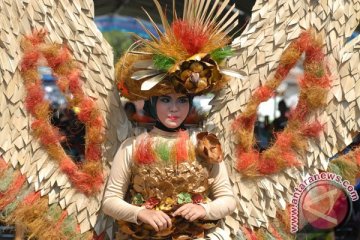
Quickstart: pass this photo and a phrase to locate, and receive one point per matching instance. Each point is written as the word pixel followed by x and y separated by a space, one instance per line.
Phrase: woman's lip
pixel 173 117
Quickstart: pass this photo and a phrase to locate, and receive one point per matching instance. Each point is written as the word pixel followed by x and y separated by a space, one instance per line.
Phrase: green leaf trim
pixel 220 54
pixel 162 62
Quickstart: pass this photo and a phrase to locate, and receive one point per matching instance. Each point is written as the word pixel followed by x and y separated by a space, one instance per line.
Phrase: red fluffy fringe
pixel 181 147
pixel 247 160
pixel 74 81
pixel 47 133
pixel 11 193
pixel 283 152
pixel 268 166
pixel 192 36
pixel 264 93
pixel 37 37
pixel 312 129
pixel 68 166
pixel 61 56
pixel 35 96
pixel 93 152
pixel 86 108
pixel 244 122
pixel 300 111
pixel 57 55
pixel 303 41
pixel 32 197
pixel 29 60
pixel 63 83
pixel 308 81
pixel 144 153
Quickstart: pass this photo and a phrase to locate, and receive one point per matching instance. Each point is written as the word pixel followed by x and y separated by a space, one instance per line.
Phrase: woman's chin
pixel 172 124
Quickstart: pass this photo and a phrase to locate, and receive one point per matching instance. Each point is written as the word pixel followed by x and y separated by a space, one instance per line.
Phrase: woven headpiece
pixel 187 56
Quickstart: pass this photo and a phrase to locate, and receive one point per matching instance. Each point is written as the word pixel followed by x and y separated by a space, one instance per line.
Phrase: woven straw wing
pixel 69 22
pixel 273 26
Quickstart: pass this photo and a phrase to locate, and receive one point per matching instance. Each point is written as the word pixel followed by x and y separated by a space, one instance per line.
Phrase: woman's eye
pixel 164 100
pixel 183 100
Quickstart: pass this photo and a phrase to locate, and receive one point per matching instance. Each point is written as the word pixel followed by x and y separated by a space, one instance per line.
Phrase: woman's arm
pixel 223 203
pixel 113 203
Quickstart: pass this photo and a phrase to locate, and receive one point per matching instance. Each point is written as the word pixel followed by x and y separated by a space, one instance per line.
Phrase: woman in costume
pixel 170 180
pixel 176 183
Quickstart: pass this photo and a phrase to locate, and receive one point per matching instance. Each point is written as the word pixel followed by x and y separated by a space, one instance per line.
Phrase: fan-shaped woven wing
pixel 70 23
pixel 272 27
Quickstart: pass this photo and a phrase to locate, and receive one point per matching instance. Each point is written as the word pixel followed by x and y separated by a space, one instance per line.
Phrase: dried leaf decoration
pixel 184 198
pixel 209 147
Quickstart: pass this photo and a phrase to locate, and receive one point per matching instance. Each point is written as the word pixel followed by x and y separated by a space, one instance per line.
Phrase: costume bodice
pixel 165 175
pixel 165 169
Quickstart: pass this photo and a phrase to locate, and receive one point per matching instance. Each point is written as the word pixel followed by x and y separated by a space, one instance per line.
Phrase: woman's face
pixel 172 109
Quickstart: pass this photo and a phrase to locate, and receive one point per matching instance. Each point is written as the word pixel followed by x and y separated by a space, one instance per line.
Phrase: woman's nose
pixel 173 107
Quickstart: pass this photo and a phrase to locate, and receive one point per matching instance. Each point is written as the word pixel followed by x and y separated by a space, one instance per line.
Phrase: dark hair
pixel 130 109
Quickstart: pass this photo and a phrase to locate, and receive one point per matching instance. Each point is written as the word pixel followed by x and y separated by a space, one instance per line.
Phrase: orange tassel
pixel 263 93
pixel 312 129
pixel 66 70
pixel 63 84
pixel 181 147
pixel 29 60
pixel 86 108
pixel 268 166
pixel 34 97
pixel 313 91
pixel 93 152
pixel 68 166
pixel 74 81
pixel 8 196
pixel 247 160
pixel 56 58
pixel 32 197
pixel 144 153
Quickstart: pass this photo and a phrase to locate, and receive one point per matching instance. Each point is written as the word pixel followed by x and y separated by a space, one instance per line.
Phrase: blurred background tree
pixel 120 41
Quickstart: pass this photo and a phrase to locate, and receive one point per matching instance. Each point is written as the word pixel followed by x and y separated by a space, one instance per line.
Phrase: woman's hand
pixel 190 212
pixel 157 219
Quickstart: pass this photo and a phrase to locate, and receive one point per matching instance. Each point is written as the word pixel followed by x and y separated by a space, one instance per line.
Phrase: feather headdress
pixel 186 56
